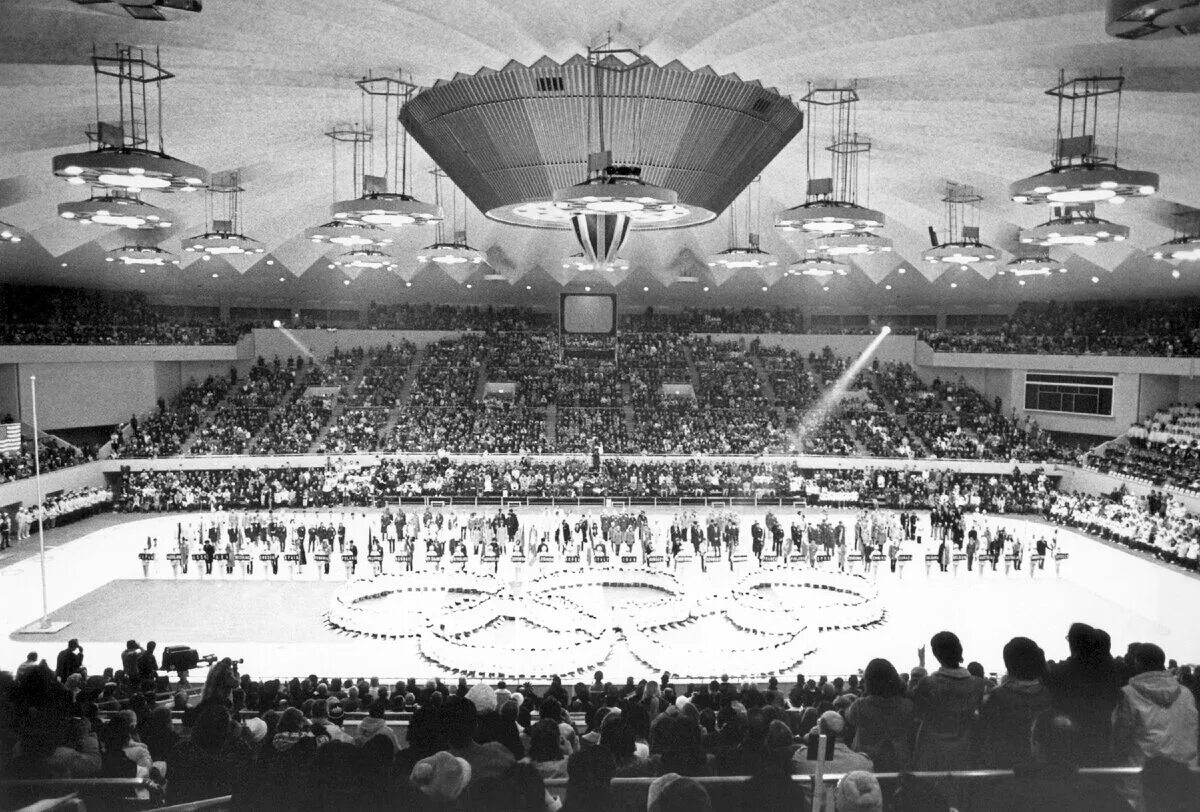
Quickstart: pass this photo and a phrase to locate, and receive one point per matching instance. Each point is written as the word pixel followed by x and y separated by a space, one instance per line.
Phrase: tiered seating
pixel 163 433
pixel 1159 327
pixel 247 408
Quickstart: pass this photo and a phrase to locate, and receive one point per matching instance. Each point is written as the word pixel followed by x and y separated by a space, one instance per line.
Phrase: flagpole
pixel 45 626
pixel 37 476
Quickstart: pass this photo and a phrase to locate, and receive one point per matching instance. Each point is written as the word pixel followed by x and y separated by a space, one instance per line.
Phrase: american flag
pixel 10 438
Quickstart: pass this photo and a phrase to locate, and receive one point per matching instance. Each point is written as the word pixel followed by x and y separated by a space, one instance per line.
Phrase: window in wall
pixel 1069 394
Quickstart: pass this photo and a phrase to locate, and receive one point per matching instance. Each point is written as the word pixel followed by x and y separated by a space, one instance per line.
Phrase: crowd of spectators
pixel 53 454
pixel 52 315
pixel 405 316
pixel 1156 524
pixel 248 406
pixel 336 742
pixel 376 483
pixel 1159 327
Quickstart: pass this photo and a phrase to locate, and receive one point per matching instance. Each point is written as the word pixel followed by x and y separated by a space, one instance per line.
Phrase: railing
pixel 968 788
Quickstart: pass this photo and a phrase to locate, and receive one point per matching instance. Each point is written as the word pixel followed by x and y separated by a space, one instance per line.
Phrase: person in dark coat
pixel 1008 711
pixel 1085 687
pixel 213 762
pixel 69 660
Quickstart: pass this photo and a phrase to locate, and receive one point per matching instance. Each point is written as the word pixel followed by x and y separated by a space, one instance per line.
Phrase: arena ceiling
pixel 951 91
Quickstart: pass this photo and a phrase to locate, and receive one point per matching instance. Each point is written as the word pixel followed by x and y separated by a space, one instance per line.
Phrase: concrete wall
pixel 24 491
pixel 320 343
pixel 71 395
pixel 893 348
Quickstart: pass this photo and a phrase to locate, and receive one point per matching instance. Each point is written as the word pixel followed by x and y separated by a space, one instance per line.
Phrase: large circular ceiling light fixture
pixel 348 235
pixel 119 209
pixel 124 157
pixel 1153 19
pixel 1077 173
pixel 364 259
pixel 224 237
pixel 1032 265
pixel 581 263
pixel 962 246
pixel 150 255
pixel 450 252
pixel 818 267
pixel 375 201
pixel 831 205
pixel 1074 225
pixel 665 145
pixel 849 244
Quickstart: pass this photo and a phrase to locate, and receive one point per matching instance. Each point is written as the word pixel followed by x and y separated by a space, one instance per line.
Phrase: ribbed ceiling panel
pixel 504 141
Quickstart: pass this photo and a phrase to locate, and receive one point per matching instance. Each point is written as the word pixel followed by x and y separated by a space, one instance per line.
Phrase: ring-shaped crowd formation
pixel 554 631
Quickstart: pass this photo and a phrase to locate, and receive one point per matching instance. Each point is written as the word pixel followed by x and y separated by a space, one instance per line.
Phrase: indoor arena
pixel 483 407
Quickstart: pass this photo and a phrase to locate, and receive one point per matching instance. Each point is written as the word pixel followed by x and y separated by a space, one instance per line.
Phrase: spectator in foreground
pixel 589 781
pixel 843 760
pixel 1085 687
pixel 1009 710
pixel 676 793
pixel 858 792
pixel 883 719
pixel 1051 781
pixel 946 703
pixel 211 763
pixel 1155 721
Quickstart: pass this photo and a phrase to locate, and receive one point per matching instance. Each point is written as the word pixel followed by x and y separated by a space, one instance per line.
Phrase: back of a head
pixel 947 648
pixel 617 736
pixel 1077 638
pixel 1055 739
pixel 1024 659
pixel 675 793
pixel 543 741
pixel 1149 657
pixel 211 727
pixel 858 791
pixel 519 789
pixel 458 716
pixel 881 679
pixel 592 768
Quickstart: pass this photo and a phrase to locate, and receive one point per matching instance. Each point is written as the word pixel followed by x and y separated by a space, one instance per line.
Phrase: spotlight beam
pixel 832 396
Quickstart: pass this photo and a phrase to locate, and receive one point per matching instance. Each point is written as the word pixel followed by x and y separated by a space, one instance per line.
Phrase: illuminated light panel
pixel 215 243
pixel 1074 228
pixel 829 217
pixel 450 253
pixel 579 262
pixel 846 244
pixel 749 257
pixel 348 235
pixel 619 191
pixel 387 210
pixel 1033 266
pixel 818 267
pixel 8 234
pixel 148 255
pixel 1083 184
pixel 116 210
pixel 1180 249
pixel 130 169
pixel 365 259
pixel 960 253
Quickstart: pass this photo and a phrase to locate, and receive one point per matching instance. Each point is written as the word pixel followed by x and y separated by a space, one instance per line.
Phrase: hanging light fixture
pixel 457 251
pixel 580 262
pixel 1074 225
pixel 1031 265
pixel 1078 174
pixel 1152 19
pixel 124 157
pixel 962 246
pixel 8 233
pixel 819 267
pixel 224 237
pixel 1185 246
pixel 748 254
pixel 348 235
pixel 848 244
pixel 352 263
pixel 830 213
pixel 376 202
pixel 150 255
pixel 116 208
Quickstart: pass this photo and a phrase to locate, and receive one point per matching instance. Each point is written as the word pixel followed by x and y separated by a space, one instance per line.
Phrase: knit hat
pixel 442 776
pixel 483 697
pixel 858 791
pixel 336 714
pixel 673 791
pixel 256 729
pixel 832 721
pixel 778 734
